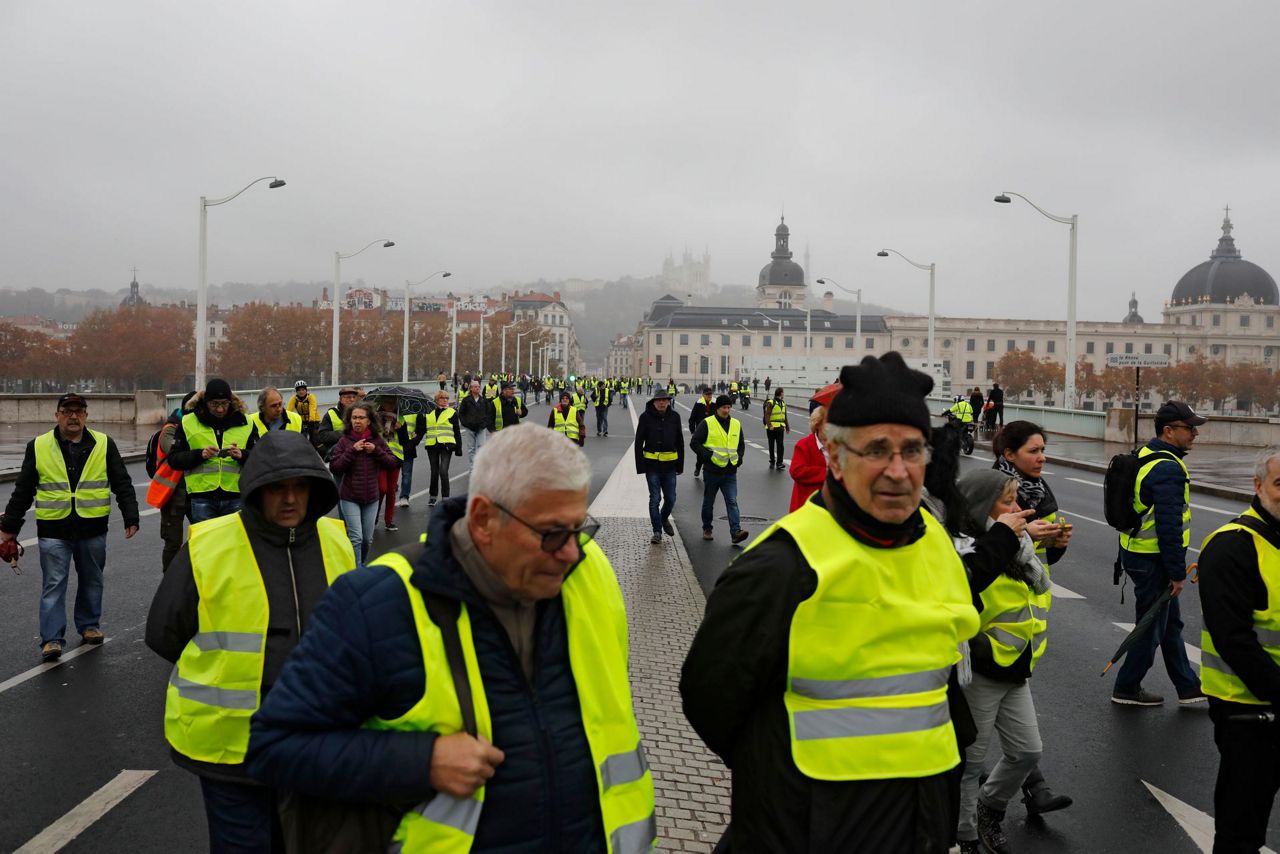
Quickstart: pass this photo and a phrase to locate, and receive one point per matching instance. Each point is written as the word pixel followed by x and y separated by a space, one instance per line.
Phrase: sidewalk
pixel 664 609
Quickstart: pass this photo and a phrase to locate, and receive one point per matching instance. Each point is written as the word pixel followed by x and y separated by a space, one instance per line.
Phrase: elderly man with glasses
pixel 508 724
pixel 824 671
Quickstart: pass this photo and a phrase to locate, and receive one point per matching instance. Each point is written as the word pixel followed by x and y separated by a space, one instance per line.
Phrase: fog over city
pixel 514 141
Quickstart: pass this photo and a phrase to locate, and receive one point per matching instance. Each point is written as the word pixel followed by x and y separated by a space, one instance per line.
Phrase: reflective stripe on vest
pixel 778 414
pixel 567 424
pixel 596 622
pixel 292 423
pixel 215 686
pixel 54 499
pixel 723 446
pixel 1145 540
pixel 1013 617
pixel 440 427
pixel 1217 679
pixel 216 472
pixel 870 652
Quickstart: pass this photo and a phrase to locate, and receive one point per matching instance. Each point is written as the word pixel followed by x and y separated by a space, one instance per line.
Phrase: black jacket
pixel 325 436
pixel 512 411
pixel 698 444
pixel 289 559
pixel 473 412
pixel 701 412
pixel 732 685
pixel 183 458
pixel 659 433
pixel 73 527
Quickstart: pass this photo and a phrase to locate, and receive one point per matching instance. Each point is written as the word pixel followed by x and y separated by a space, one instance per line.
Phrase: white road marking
pixel 1074 515
pixel 13 681
pixel 1082 480
pixel 1197 823
pixel 1060 592
pixel 423 492
pixel 1205 507
pixel 1193 652
pixel 58 835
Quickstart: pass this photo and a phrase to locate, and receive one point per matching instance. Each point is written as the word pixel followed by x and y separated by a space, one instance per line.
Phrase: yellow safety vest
pixel 603 394
pixel 292 422
pixel 963 411
pixel 1013 617
pixel 723 446
pixel 871 650
pixel 567 424
pixel 491 390
pixel 777 414
pixel 671 389
pixel 216 686
pixel 579 402
pixel 54 498
pixel 497 408
pixel 393 441
pixel 335 419
pixel 596 622
pixel 733 388
pixel 1217 679
pixel 440 427
pixel 1144 541
pixel 217 472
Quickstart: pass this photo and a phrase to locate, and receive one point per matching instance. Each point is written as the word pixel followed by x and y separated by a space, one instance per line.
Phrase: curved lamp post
pixel 932 268
pixel 857 326
pixel 444 274
pixel 1069 386
pixel 482 317
pixel 338 258
pixel 202 286
pixel 504 347
pixel 520 335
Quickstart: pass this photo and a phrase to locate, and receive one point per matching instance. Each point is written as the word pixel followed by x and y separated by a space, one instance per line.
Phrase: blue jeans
pixel 715 478
pixel 602 419
pixel 1149 581
pixel 662 485
pixel 242 818
pixel 208 507
pixel 56 557
pixel 474 442
pixel 406 476
pixel 360 520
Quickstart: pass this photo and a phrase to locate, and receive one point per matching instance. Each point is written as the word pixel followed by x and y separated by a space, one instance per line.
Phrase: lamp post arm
pixel 918 266
pixel 210 203
pixel 421 282
pixel 361 249
pixel 1065 220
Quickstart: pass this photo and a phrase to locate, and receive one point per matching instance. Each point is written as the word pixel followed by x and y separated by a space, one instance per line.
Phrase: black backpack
pixel 1118 489
pixel 153 453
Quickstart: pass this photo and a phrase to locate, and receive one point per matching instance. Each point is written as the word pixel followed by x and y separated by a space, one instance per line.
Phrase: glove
pixel 10 551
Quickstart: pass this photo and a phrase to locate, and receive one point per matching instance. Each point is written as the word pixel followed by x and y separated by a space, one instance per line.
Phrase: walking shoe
pixel 1041 800
pixel 990 831
pixel 606 434
pixel 1192 697
pixel 1140 698
pixel 668 528
pixel 403 502
pixel 431 502
pixel 708 534
pixel 92 636
pixel 392 526
pixel 51 651
pixel 740 536
pixel 656 538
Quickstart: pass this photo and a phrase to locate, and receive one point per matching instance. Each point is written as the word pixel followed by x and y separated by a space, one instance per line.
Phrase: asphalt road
pixel 71 732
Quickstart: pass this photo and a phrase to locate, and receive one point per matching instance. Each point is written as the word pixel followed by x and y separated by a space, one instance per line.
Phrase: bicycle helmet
pixel 299 384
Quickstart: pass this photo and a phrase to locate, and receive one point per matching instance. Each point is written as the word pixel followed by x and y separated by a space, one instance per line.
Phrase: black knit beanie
pixel 881 391
pixel 217 389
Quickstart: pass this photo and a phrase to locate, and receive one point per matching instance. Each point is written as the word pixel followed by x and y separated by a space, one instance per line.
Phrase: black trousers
pixel 439 457
pixel 776 454
pixel 1248 778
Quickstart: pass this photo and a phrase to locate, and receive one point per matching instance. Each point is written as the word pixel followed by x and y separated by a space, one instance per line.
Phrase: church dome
pixel 782 270
pixel 1226 277
pixel 1133 317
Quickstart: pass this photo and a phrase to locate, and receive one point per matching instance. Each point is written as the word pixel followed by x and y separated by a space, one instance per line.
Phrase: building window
pixel 1128 347
pixel 1217 320
pixel 706 340
pixel 1031 346
pixel 684 339
pixel 991 369
pixel 946 366
pixel 1168 349
pixel 968 370
pixel 746 340
pixel 724 340
pixel 828 342
pixel 1244 320
pixel 657 364
pixel 1271 321
pixel 704 364
pixel 684 364
pixel 991 345
pixel 1010 346
pixel 871 343
pixel 724 365
pixel 1111 347
pixel 658 336
pixel 906 342
pixel 971 344
pixel 768 341
pixel 1049 346
pixel 786 341
pixel 1088 347
pixel 1146 348
pixel 848 343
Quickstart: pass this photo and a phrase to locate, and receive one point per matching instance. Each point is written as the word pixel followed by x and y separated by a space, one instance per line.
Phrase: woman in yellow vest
pixel 568 419
pixel 230 608
pixel 443 441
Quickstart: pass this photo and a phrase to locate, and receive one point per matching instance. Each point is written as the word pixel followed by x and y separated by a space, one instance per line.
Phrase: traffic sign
pixel 1137 360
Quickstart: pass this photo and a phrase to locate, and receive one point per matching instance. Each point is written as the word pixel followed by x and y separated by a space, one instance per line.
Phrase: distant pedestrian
pixel 776 427
pixel 567 419
pixel 722 446
pixel 304 404
pixel 995 396
pixel 975 400
pixel 602 396
pixel 360 455
pixel 506 409
pixel 767 382
pixel 809 462
pixel 473 415
pixel 443 442
pixel 168 489
pixel 70 474
pixel 702 409
pixel 659 455
pixel 755 386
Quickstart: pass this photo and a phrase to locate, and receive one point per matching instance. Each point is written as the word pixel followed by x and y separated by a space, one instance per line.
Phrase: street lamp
pixel 202 287
pixel 779 322
pixel 857 326
pixel 338 258
pixel 884 253
pixel 1069 389
pixel 520 335
pixel 444 274
pixel 504 348
pixel 482 317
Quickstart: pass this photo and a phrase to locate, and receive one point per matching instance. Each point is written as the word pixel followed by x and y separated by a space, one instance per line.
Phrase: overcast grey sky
pixel 509 141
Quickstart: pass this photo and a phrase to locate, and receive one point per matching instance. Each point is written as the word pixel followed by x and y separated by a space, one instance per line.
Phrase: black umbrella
pixel 409 401
pixel 1140 628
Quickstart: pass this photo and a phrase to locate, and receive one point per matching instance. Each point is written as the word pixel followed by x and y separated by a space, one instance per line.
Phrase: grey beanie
pixel 980 488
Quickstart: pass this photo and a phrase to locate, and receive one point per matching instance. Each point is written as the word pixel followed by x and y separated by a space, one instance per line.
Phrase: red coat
pixel 808 470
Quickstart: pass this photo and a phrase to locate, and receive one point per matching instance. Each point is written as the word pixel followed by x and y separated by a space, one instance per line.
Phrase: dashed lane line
pixel 761 448
pixel 1075 515
pixel 1204 507
pixel 14 681
pixel 62 832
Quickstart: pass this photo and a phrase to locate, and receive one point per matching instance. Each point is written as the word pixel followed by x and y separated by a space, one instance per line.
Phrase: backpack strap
pixel 1261 529
pixel 444 612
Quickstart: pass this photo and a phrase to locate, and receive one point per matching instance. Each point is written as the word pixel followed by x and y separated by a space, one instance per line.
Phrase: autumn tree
pixel 1018 371
pixel 137 346
pixel 1254 385
pixel 269 343
pixel 1049 376
pixel 33 361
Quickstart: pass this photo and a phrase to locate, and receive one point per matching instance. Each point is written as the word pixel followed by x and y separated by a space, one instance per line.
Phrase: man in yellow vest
pixel 271 414
pixel 1155 557
pixel 70 474
pixel 823 672
pixel 230 609
pixel 1240 664
pixel 508 592
pixel 567 419
pixel 210 445
pixel 505 410
pixel 776 427
pixel 330 430
pixel 659 456
pixel 720 444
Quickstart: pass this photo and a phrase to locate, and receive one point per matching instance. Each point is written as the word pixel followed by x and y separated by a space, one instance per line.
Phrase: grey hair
pixel 1263 460
pixel 840 435
pixel 262 395
pixel 519 461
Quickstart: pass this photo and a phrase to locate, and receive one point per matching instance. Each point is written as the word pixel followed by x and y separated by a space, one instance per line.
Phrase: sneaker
pixel 92 636
pixel 51 651
pixel 403 502
pixel 1041 800
pixel 1141 698
pixel 431 502
pixel 708 534
pixel 740 536
pixel 668 528
pixel 656 538
pixel 991 831
pixel 1192 697
pixel 392 526
pixel 606 434
pixel 697 473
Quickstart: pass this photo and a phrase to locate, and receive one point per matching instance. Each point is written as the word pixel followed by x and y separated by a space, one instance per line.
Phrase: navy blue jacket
pixel 1164 486
pixel 360 658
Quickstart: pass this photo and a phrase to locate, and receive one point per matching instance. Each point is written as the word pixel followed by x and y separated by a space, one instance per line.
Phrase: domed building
pixel 1225 278
pixel 781 280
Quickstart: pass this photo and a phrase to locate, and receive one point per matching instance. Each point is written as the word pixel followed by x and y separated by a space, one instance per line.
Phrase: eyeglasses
pixel 1185 427
pixel 553 539
pixel 914 454
pixel 66 411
